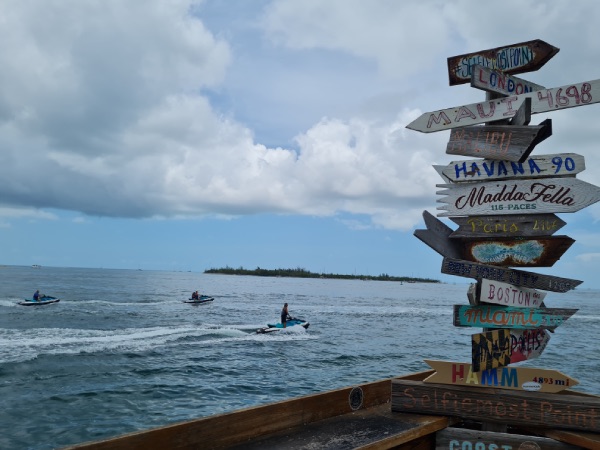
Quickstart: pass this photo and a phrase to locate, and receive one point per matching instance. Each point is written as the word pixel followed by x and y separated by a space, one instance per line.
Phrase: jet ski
pixel 201 299
pixel 291 322
pixel 44 300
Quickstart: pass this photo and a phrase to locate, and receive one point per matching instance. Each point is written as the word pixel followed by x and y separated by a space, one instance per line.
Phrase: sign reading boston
pixel 549 195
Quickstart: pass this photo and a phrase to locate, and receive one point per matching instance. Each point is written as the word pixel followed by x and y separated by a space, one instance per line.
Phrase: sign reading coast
pixel 517 58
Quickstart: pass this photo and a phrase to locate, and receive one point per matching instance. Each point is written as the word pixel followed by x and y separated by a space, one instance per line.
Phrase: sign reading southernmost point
pixel 517 58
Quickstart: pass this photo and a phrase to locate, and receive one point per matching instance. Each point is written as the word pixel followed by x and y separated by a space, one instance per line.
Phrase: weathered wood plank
pixel 491 80
pixel 548 195
pixel 501 347
pixel 568 96
pixel 498 142
pixel 515 277
pixel 496 316
pixel 516 252
pixel 461 438
pixel 523 115
pixel 539 166
pixel 511 59
pixel 506 294
pixel 515 378
pixel 436 236
pixel 559 411
pixel 507 225
pixel 590 441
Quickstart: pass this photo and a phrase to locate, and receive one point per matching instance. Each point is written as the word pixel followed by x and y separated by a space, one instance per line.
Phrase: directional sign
pixel 520 379
pixel 569 96
pixel 517 58
pixel 455 438
pixel 494 316
pixel 519 252
pixel 491 80
pixel 507 225
pixel 508 295
pixel 499 348
pixel 436 236
pixel 539 166
pixel 548 195
pixel 503 142
pixel 516 277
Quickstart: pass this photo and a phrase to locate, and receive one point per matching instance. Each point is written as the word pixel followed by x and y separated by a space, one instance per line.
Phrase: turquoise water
pixel 121 352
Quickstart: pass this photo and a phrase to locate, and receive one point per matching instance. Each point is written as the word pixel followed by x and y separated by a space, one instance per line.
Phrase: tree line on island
pixel 303 273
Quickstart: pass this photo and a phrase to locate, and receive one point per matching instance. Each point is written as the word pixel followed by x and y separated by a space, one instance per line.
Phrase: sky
pixel 187 135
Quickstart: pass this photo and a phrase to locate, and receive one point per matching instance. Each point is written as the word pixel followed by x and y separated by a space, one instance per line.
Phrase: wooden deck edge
pixel 582 439
pixel 228 429
pixel 430 425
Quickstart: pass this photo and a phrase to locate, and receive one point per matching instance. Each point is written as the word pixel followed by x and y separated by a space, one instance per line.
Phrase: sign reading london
pixel 518 58
pixel 548 195
pixel 491 80
pixel 569 96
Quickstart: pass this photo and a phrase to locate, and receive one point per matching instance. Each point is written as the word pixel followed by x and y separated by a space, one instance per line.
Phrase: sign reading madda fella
pixel 504 205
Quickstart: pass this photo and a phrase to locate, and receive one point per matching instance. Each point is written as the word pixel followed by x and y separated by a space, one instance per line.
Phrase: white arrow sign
pixel 568 96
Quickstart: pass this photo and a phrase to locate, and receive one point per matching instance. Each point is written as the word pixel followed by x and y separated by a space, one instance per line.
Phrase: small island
pixel 303 273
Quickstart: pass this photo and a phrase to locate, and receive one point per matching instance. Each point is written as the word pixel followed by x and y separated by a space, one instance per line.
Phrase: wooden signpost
pixel 501 347
pixel 506 294
pixel 504 142
pixel 547 195
pixel 508 225
pixel 451 266
pixel 539 166
pixel 518 408
pixel 453 438
pixel 494 316
pixel 568 96
pixel 516 252
pixel 520 379
pixel 504 204
pixel 517 58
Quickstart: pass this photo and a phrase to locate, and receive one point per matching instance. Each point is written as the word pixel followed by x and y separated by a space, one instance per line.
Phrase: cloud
pixel 141 109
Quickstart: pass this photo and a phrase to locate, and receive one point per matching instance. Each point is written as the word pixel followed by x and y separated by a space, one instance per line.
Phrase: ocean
pixel 121 352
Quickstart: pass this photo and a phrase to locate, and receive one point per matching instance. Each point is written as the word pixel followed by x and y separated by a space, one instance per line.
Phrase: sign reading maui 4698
pixel 568 96
pixel 550 195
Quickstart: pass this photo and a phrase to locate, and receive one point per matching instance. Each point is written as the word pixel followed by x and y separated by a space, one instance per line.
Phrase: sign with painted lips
pixel 506 294
pixel 507 225
pixel 491 80
pixel 499 348
pixel 548 195
pixel 498 142
pixel 517 58
pixel 513 378
pixel 568 96
pixel 494 316
pixel 518 252
pixel 461 268
pixel 539 166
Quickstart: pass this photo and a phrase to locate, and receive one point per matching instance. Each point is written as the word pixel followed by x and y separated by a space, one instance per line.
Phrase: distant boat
pixel 202 299
pixel 44 300
pixel 36 266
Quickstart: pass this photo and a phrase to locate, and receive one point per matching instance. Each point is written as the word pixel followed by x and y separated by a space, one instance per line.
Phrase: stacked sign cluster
pixel 504 203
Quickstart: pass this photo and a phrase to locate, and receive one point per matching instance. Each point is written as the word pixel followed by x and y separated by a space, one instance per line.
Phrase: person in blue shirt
pixel 36 296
